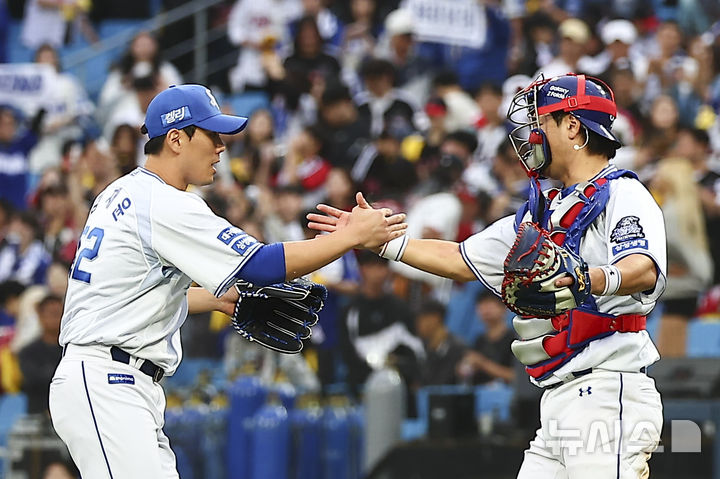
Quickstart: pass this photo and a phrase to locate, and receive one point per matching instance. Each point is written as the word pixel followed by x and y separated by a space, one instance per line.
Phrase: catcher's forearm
pixel 303 257
pixel 438 257
pixel 638 274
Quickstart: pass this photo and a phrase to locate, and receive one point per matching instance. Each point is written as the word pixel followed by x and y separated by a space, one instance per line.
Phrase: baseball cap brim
pixel 226 124
pixel 601 130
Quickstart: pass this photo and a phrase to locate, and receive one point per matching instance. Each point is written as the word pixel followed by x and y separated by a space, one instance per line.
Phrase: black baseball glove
pixel 278 316
pixel 533 265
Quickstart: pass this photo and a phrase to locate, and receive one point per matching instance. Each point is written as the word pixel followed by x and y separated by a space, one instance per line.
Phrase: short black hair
pixel 596 144
pixel 698 135
pixel 465 138
pixel 430 307
pixel 47 299
pixel 486 294
pixel 376 67
pixel 335 92
pixel 10 289
pixel 155 145
pixel 489 86
pixel 445 78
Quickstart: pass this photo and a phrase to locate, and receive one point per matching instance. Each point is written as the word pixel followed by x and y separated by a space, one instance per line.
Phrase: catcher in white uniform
pixel 145 241
pixel 583 267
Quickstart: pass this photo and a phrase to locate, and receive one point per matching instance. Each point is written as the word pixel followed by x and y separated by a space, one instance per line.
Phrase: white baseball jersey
pixel 144 243
pixel 631 223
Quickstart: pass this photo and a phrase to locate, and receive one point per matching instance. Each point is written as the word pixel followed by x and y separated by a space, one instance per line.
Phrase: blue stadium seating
pixel 12 407
pixel 703 339
pixel 245 104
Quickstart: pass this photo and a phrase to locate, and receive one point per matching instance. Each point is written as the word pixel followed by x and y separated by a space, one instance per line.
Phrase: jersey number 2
pixel 89 254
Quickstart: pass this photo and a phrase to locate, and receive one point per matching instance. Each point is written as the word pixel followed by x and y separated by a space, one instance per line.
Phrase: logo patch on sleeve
pixel 631 244
pixel 628 228
pixel 117 378
pixel 228 234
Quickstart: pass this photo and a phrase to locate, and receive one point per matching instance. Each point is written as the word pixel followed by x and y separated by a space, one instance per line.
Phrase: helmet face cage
pixel 527 137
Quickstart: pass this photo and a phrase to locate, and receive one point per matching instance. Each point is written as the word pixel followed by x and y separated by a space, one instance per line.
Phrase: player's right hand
pixel 370 227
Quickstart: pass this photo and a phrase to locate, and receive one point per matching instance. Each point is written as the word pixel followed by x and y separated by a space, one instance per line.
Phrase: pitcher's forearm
pixel 438 257
pixel 303 257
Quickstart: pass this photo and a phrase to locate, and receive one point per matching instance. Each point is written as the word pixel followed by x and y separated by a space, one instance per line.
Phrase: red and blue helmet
pixel 588 99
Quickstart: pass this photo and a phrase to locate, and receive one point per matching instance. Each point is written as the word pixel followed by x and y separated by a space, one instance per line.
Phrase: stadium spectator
pixel 10 375
pixel 398 46
pixel 342 279
pixel 443 350
pixel 574 35
pixel 490 357
pixel 68 114
pixel 59 222
pixel 282 224
pixel 24 257
pixel 39 359
pixel 490 124
pixel 689 261
pixel 462 110
pixel 381 170
pixel 303 165
pixel 359 36
pixel 382 105
pixel 140 61
pixel 375 327
pixel 15 146
pixel 329 26
pixel 435 215
pixel 124 147
pixel 259 29
pixel 535 49
pixel 347 133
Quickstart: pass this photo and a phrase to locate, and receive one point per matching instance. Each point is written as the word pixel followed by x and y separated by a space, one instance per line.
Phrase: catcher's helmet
pixel 588 99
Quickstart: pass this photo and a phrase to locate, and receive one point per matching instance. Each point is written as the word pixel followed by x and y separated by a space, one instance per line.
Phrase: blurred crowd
pixel 399 100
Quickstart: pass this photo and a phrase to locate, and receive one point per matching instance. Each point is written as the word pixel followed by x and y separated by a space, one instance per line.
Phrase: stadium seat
pixel 703 339
pixel 460 318
pixel 494 398
pixel 16 51
pixel 245 104
pixel 12 407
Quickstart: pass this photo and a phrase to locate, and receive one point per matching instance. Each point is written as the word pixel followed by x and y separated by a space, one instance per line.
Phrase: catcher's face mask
pixel 527 137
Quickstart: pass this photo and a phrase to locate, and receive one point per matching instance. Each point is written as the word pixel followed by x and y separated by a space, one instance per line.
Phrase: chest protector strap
pixel 546 344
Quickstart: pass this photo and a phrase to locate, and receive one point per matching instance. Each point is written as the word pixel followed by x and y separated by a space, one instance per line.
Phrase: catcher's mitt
pixel 278 316
pixel 533 265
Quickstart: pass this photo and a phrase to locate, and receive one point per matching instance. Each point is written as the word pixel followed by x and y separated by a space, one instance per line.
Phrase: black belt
pixel 581 373
pixel 147 367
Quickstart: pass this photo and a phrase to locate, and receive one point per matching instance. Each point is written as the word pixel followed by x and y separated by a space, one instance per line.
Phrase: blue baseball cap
pixel 184 105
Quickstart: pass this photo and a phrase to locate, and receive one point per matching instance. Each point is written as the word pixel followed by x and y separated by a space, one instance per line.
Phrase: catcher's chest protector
pixel 567 222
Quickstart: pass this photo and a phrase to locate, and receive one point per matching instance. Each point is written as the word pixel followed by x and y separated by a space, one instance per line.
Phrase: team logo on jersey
pixel 175 116
pixel 628 228
pixel 213 101
pixel 117 378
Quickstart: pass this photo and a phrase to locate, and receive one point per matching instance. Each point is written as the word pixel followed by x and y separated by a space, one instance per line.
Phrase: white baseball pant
pixel 603 425
pixel 110 415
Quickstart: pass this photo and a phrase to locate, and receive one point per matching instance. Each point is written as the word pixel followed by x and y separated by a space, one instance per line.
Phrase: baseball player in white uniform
pixel 600 414
pixel 145 242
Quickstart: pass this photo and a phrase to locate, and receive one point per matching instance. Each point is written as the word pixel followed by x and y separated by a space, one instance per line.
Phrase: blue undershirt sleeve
pixel 267 265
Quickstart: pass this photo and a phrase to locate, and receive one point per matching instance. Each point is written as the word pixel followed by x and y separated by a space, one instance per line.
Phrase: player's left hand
pixel 278 316
pixel 543 279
